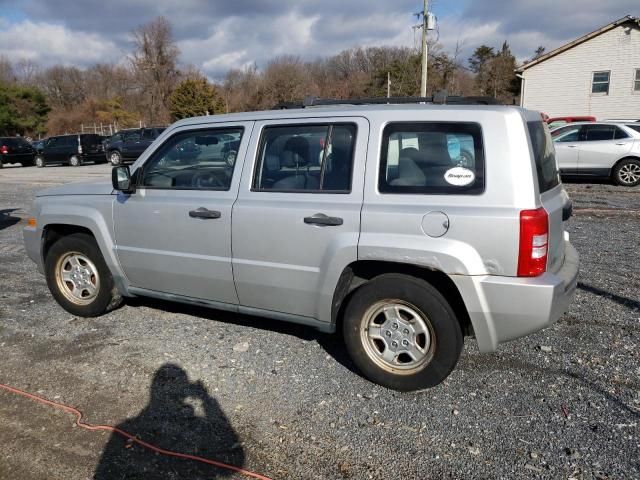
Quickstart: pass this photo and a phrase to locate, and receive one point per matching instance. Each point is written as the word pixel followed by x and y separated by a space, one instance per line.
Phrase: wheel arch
pixel 360 272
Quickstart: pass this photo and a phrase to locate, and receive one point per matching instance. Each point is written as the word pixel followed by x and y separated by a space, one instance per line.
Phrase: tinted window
pixel 115 138
pixel 306 158
pixel 567 134
pixel 544 156
pixel 148 134
pixel 599 132
pixel 69 141
pixel 90 139
pixel 620 134
pixel 131 136
pixel 14 141
pixel 432 158
pixel 52 142
pixel 192 160
pixel 635 127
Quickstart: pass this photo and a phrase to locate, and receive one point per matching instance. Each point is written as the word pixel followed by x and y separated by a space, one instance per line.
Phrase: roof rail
pixel 439 98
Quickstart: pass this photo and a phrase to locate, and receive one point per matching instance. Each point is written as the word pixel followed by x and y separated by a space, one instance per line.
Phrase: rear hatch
pixel 91 143
pixel 553 197
pixel 16 147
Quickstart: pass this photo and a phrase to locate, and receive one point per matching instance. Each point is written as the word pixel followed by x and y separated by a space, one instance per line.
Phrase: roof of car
pixel 344 110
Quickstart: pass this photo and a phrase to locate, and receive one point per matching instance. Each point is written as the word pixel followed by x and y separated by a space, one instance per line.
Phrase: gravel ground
pixel 285 401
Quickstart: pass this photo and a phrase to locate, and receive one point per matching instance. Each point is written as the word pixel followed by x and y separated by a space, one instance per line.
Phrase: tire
pixel 627 172
pixel 419 318
pixel 75 161
pixel 79 256
pixel 115 158
pixel 40 161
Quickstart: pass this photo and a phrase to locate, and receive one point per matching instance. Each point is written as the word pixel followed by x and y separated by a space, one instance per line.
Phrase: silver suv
pixel 404 226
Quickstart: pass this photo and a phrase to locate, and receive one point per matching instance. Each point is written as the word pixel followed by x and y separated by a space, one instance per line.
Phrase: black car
pixel 16 150
pixel 72 150
pixel 128 145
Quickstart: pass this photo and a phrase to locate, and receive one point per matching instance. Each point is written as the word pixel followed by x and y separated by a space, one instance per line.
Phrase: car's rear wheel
pixel 78 276
pixel 402 333
pixel 627 172
pixel 40 161
pixel 75 161
pixel 115 158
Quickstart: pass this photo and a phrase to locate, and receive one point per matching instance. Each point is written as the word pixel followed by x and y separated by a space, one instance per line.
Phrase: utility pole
pixel 388 84
pixel 423 84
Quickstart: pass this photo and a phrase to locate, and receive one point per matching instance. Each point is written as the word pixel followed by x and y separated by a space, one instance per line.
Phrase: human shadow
pixel 6 219
pixel 170 421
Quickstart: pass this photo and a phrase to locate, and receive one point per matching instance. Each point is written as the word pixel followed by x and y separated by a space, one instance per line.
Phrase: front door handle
pixel 322 219
pixel 572 146
pixel 204 213
pixel 621 143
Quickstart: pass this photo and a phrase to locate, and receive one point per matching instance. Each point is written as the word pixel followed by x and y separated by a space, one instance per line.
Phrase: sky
pixel 217 35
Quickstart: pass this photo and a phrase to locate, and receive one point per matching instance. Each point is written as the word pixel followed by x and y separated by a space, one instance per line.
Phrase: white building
pixel 597 74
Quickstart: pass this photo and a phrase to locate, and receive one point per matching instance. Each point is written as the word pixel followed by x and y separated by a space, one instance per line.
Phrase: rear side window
pixel 544 156
pixel 432 158
pixel 635 127
pixel 306 158
pixel 596 133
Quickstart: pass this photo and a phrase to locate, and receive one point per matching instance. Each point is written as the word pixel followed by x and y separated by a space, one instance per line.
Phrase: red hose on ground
pixel 109 428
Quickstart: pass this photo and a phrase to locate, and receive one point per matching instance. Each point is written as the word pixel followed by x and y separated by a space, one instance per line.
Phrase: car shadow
pixel 181 417
pixel 331 343
pixel 624 301
pixel 6 219
pixel 578 179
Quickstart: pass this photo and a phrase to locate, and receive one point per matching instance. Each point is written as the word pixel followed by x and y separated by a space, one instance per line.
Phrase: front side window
pixel 600 83
pixel 131 136
pixel 636 80
pixel 432 158
pixel 566 134
pixel 306 158
pixel 192 160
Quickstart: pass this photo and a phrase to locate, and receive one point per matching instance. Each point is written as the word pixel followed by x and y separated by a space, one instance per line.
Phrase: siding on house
pixel 561 85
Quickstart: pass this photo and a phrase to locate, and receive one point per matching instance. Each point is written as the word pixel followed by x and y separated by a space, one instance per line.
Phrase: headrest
pixel 295 152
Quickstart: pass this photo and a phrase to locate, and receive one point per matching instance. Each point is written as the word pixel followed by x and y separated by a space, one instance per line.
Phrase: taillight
pixel 534 238
pixel 4 149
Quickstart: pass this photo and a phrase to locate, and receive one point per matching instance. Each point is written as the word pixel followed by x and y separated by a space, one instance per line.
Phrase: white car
pixel 602 149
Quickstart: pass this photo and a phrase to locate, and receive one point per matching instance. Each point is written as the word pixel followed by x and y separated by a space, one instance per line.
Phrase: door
pixel 602 147
pixel 296 222
pixel 566 144
pixel 173 234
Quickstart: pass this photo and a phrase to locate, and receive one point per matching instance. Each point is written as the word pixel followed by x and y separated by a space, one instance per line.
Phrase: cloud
pixel 49 44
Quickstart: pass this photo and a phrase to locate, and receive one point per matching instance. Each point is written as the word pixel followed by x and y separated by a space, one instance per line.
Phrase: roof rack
pixel 439 98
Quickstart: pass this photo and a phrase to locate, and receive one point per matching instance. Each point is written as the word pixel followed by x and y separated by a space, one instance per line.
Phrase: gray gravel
pixel 284 400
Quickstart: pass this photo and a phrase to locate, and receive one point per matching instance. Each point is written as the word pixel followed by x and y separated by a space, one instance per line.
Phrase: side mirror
pixel 121 179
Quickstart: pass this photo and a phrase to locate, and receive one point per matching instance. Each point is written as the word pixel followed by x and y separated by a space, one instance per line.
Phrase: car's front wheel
pixel 115 158
pixel 627 172
pixel 40 161
pixel 402 333
pixel 78 276
pixel 75 161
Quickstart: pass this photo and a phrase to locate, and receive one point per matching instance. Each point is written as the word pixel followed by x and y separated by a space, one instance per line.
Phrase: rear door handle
pixel 621 143
pixel 322 219
pixel 204 213
pixel 572 146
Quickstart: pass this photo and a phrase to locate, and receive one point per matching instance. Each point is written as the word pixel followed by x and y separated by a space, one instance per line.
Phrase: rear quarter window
pixel 438 158
pixel 544 156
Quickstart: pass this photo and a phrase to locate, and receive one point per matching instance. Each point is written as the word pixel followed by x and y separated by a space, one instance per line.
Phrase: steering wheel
pixel 206 180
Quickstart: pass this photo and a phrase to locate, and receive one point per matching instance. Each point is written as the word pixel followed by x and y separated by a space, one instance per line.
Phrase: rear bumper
pixel 506 308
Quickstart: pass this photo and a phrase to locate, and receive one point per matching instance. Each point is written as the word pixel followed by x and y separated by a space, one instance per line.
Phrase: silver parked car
pixel 601 149
pixel 405 227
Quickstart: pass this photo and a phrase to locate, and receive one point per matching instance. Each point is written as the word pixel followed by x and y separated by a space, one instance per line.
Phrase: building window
pixel 636 81
pixel 600 82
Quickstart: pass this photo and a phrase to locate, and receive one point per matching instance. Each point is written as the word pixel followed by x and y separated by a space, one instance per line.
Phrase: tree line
pixel 153 88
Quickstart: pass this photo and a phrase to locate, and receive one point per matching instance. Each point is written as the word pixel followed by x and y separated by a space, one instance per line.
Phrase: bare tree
pixel 155 64
pixel 7 74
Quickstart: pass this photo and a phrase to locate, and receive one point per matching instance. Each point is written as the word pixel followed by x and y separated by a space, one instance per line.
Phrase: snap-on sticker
pixel 459 176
